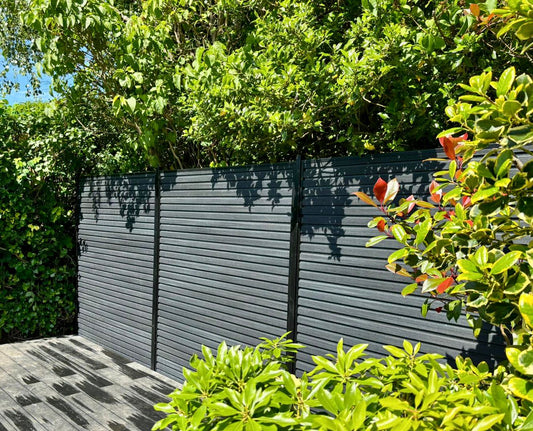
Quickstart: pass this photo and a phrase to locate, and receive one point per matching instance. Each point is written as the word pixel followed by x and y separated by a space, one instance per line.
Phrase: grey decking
pixel 70 383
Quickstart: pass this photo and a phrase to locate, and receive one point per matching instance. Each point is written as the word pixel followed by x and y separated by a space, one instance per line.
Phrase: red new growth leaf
pixel 445 285
pixel 380 190
pixel 449 214
pixel 411 205
pixel 466 201
pixel 438 309
pixel 381 225
pixel 449 143
pixel 435 197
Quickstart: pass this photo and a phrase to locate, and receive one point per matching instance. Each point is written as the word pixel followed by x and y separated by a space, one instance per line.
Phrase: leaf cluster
pixel 248 389
pixel 246 81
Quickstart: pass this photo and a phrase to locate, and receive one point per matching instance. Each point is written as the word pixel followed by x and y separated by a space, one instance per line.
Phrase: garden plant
pixel 468 249
pixel 179 84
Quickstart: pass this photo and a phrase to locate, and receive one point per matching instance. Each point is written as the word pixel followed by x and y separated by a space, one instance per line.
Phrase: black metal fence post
pixel 294 254
pixel 155 288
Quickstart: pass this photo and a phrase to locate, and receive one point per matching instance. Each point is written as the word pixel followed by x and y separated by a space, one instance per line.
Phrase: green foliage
pixel 43 151
pixel 242 81
pixel 249 389
pixel 473 241
pixel 471 247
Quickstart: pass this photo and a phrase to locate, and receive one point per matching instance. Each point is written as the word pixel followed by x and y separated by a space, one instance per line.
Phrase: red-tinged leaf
pixel 397 269
pixel 435 197
pixel 458 173
pixel 411 205
pixel 380 189
pixel 421 278
pixel 449 214
pixel 365 198
pixel 392 190
pixel 467 201
pixel 449 143
pixel 449 147
pixel 381 225
pixel 445 285
pixel 438 309
pixel 474 8
pixel 470 222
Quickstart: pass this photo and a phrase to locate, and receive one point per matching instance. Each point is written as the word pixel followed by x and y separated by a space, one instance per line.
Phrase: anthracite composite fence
pixel 170 261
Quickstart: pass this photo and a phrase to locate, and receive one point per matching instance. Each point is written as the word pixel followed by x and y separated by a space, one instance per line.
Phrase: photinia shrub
pixel 469 247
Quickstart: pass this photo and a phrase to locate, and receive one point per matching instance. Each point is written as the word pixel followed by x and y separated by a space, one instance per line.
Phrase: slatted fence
pixel 174 260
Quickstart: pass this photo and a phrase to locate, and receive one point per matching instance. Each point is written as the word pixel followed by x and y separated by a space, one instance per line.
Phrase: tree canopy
pixel 192 83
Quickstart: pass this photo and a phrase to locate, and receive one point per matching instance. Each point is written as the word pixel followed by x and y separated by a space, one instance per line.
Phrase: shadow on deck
pixel 71 383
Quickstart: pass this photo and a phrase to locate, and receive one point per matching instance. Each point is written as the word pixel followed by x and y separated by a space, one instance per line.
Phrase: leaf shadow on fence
pixel 250 183
pixel 329 186
pixel 115 199
pixel 332 212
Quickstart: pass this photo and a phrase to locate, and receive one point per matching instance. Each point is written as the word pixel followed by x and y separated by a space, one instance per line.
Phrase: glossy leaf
pixel 380 190
pixel 505 262
pixel 365 198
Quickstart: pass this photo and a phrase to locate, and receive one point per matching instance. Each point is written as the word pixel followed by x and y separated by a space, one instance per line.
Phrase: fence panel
pixel 344 288
pixel 115 277
pixel 218 257
pixel 224 259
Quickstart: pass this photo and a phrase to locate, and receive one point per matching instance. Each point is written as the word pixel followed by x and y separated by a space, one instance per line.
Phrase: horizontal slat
pixel 178 208
pixel 171 368
pixel 180 327
pixel 240 324
pixel 127 226
pixel 281 233
pixel 260 171
pixel 278 241
pixel 168 283
pixel 233 300
pixel 129 294
pixel 115 270
pixel 103 245
pixel 116 240
pixel 113 231
pixel 141 263
pixel 118 330
pixel 132 307
pixel 176 217
pixel 279 203
pixel 209 248
pixel 256 227
pixel 220 273
pixel 122 345
pixel 246 197
pixel 114 280
pixel 227 264
pixel 130 316
pixel 219 314
pixel 242 186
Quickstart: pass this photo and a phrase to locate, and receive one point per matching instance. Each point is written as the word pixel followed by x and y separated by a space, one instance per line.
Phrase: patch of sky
pixel 23 93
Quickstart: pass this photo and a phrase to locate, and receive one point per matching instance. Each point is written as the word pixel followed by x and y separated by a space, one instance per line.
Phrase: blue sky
pixel 20 95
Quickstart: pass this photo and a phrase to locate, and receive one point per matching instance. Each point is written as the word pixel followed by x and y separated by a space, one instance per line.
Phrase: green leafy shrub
pixel 43 151
pixel 470 248
pixel 246 81
pixel 249 389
